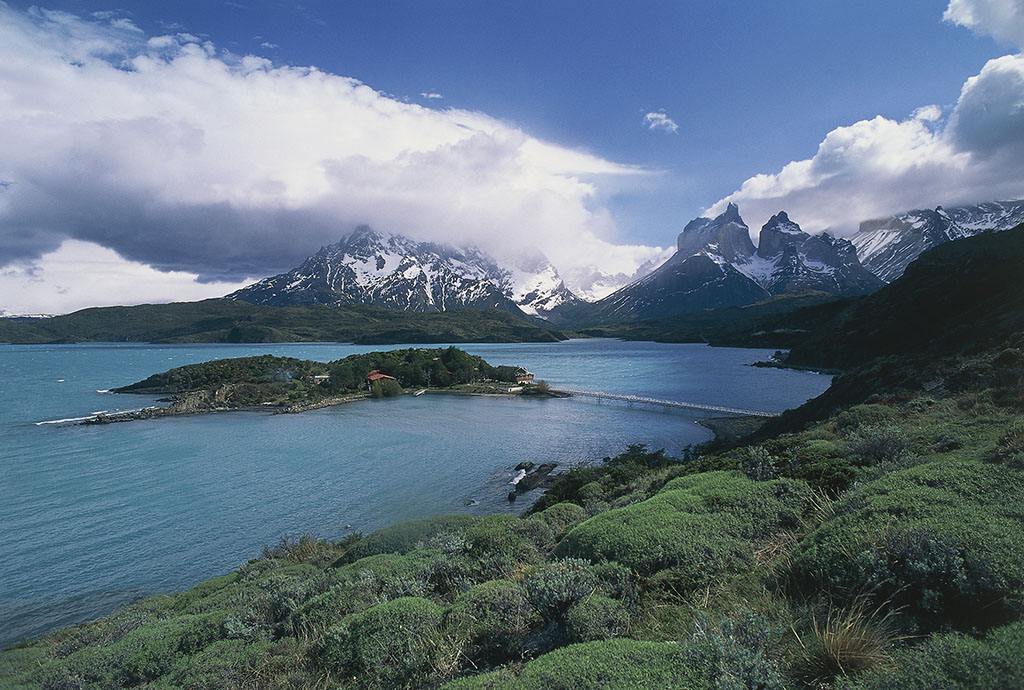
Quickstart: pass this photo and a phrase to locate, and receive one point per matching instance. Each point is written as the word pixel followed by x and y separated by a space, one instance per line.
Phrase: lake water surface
pixel 95 517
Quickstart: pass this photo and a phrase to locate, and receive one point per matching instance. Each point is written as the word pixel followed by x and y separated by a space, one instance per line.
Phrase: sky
pixel 173 151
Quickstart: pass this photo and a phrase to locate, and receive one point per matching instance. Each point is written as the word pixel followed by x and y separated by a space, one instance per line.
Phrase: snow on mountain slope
pixel 788 260
pixel 534 284
pixel 396 272
pixel 716 265
pixel 886 246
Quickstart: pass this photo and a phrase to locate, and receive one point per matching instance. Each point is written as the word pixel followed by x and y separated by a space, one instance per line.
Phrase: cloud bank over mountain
pixel 966 153
pixel 185 157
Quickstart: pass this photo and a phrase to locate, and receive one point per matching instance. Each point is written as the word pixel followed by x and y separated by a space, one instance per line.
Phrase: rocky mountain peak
pixel 777 234
pixel 725 236
pixel 396 272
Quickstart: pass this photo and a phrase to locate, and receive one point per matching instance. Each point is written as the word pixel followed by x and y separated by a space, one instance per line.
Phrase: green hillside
pixel 228 321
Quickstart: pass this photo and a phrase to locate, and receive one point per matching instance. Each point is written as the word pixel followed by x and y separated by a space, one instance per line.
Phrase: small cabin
pixel 524 377
pixel 378 376
pixel 319 378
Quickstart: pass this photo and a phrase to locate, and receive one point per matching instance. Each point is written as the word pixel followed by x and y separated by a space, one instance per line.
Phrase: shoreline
pixel 183 408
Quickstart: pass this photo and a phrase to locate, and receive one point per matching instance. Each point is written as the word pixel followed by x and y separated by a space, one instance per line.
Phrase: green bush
pixel 400 643
pixel 268 606
pixel 879 444
pixel 548 526
pixel 952 662
pixel 495 618
pixel 554 587
pixel 596 617
pixel 615 580
pixel 760 465
pixel 727 657
pixel 943 540
pixel 145 653
pixel 734 653
pixel 1010 449
pixel 864 415
pixel 406 536
pixel 609 664
pixel 227 663
pixel 701 522
pixel 497 548
pixel 364 583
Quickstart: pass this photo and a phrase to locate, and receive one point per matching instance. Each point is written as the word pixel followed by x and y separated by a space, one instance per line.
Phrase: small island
pixel 289 385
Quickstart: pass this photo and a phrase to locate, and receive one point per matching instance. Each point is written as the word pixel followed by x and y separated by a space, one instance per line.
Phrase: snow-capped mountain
pixel 534 284
pixel 698 276
pixel 789 260
pixel 717 265
pixel 396 272
pixel 886 246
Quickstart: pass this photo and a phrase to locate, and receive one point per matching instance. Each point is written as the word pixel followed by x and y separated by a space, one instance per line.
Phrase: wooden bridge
pixel 602 395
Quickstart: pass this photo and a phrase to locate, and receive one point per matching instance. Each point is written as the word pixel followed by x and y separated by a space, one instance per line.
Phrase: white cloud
pixel 881 166
pixel 659 120
pixel 268 45
pixel 431 95
pixel 1002 19
pixel 82 274
pixel 185 158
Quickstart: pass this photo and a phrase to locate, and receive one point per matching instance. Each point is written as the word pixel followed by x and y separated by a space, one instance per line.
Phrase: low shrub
pixel 879 444
pixel 223 664
pixel 760 465
pixel 497 548
pixel 548 526
pixel 863 415
pixel 554 587
pixel 944 541
pixel 702 523
pixel 952 662
pixel 718 657
pixel 367 582
pixel 406 536
pixel 734 653
pixel 615 580
pixel 305 548
pixel 397 644
pixel 268 607
pixel 145 653
pixel 1010 448
pixel 609 664
pixel 821 462
pixel 596 617
pixel 494 618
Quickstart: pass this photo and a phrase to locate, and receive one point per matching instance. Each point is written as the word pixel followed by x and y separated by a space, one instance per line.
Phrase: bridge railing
pixel 666 403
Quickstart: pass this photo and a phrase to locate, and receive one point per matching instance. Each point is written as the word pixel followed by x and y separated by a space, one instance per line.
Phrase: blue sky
pixel 752 85
pixel 142 147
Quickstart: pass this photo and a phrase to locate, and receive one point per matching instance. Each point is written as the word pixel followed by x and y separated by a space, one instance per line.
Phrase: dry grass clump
pixel 846 641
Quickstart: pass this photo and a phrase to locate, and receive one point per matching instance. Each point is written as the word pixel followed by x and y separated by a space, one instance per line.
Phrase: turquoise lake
pixel 95 517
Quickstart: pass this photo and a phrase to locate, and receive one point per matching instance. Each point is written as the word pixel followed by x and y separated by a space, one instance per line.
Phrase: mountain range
pixel 399 273
pixel 886 246
pixel 715 265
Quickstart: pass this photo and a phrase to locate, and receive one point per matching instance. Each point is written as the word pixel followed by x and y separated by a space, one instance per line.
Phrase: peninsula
pixel 289 385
